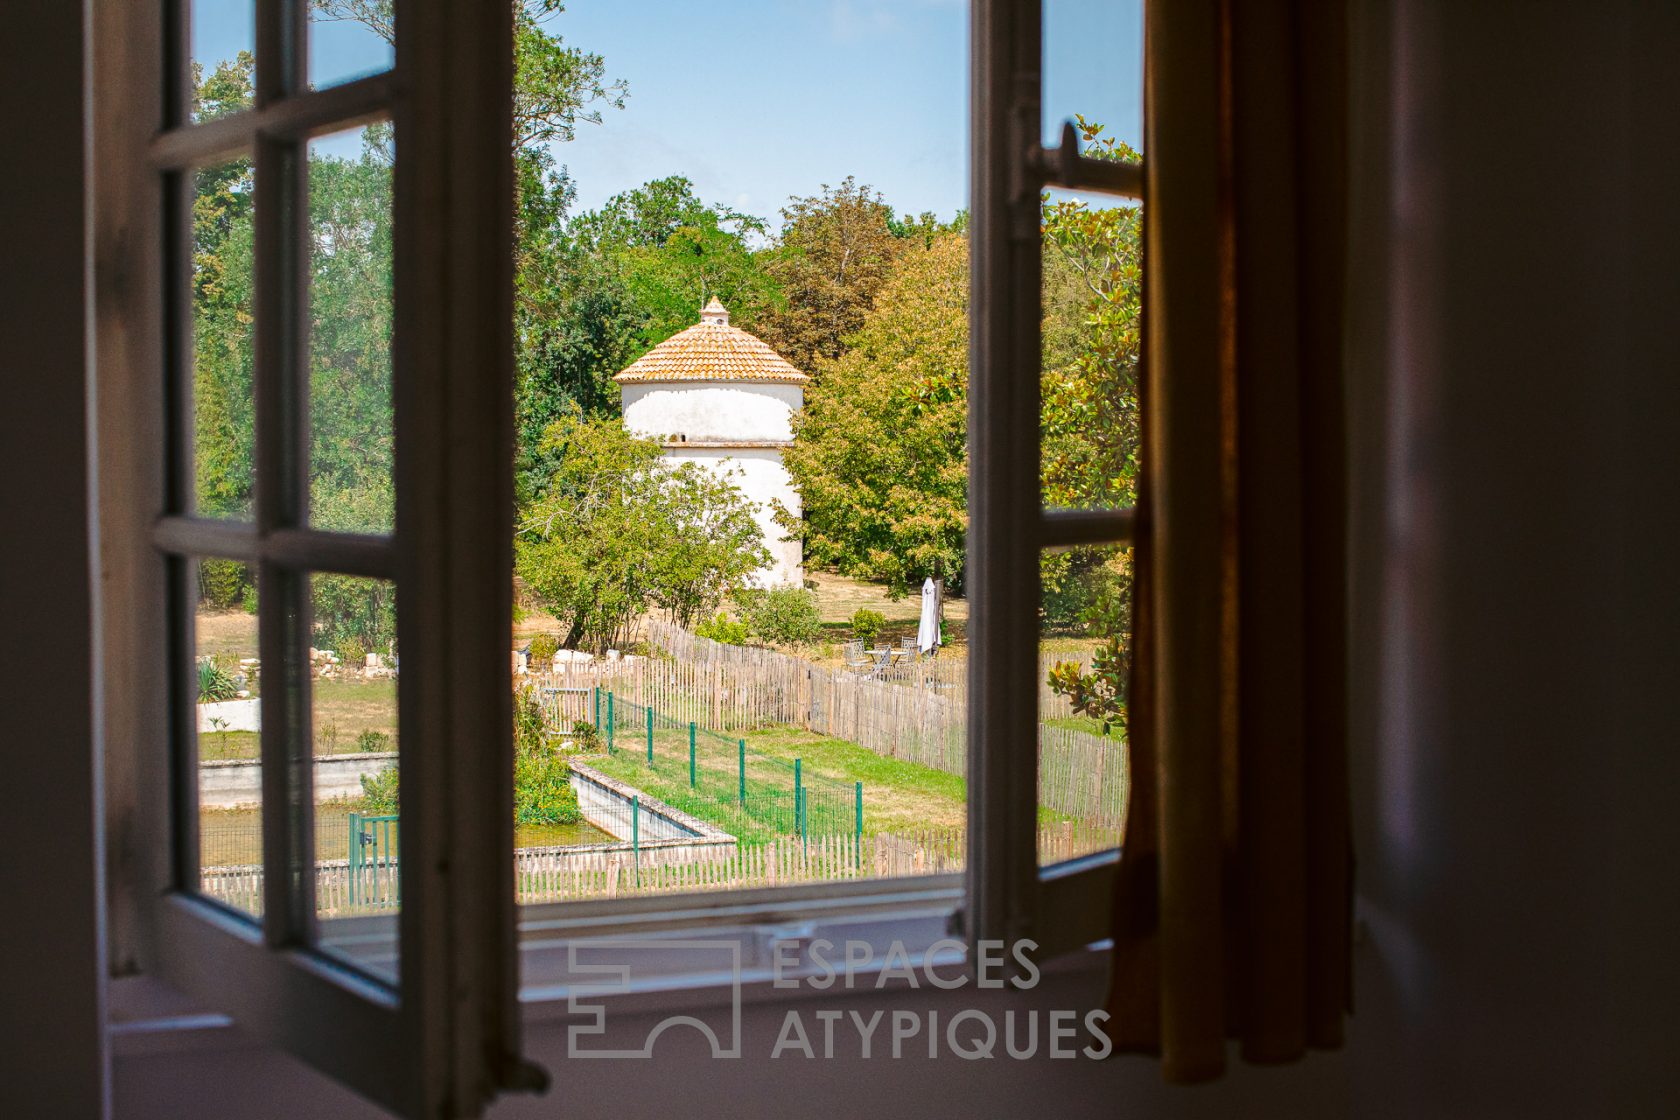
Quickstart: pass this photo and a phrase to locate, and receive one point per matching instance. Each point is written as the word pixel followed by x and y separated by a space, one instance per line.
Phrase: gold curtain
pixel 1231 917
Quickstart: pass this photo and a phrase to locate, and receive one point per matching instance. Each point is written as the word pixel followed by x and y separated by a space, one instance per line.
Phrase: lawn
pixel 344 710
pixel 232 837
pixel 898 796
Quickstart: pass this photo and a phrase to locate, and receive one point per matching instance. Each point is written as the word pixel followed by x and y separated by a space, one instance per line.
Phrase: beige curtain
pixel 1231 918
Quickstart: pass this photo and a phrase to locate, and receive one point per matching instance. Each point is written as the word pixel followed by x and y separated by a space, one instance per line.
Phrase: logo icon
pixel 623 965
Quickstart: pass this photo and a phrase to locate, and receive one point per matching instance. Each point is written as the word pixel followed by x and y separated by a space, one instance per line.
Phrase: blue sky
pixel 760 100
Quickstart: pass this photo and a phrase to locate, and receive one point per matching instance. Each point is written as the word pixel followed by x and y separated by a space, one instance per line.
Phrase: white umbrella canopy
pixel 927 634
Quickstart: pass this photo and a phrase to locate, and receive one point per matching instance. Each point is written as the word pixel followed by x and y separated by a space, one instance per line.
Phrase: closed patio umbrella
pixel 927 634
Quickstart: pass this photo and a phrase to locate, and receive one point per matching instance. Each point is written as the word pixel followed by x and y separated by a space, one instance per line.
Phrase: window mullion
pixel 282 613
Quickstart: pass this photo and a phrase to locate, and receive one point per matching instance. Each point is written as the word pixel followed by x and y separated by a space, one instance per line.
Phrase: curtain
pixel 1232 911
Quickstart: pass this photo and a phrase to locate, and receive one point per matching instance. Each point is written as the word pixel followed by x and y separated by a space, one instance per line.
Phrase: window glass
pixel 353 670
pixel 1085 655
pixel 350 418
pixel 226 731
pixel 350 39
pixel 222 39
pixel 222 317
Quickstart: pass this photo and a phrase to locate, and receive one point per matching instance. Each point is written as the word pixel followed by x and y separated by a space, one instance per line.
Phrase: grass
pixel 1087 725
pixel 898 796
pixel 233 837
pixel 343 710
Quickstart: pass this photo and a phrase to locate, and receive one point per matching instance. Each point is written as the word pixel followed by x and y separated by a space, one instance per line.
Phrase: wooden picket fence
pixel 609 871
pixel 918 712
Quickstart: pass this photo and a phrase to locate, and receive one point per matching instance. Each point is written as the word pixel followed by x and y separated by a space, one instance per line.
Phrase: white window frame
pixel 443 1039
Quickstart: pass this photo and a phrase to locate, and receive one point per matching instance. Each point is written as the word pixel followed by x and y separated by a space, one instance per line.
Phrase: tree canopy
pixel 620 530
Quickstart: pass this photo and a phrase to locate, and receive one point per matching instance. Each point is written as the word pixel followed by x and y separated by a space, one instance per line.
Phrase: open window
pixel 351 338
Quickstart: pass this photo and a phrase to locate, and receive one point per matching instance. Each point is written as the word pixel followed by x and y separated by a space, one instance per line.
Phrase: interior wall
pixel 52 1054
pixel 1516 408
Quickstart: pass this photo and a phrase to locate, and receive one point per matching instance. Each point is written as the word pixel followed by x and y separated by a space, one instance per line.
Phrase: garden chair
pixel 855 657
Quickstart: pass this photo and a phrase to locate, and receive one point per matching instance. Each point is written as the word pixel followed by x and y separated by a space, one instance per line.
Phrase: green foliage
pixel 1091 422
pixel 373 742
pixel 542 786
pixel 867 623
pixel 836 251
pixel 618 531
pixel 543 648
pixel 586 737
pixel 223 584
pixel 781 615
pixel 722 628
pixel 379 792
pixel 880 450
pixel 1102 692
pixel 215 683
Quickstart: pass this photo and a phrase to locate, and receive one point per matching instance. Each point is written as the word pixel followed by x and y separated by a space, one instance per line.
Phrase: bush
pixel 542 780
pixel 782 615
pixel 352 652
pixel 866 624
pixel 372 742
pixel 543 648
pixel 223 584
pixel 215 683
pixel 724 629
pixel 586 736
pixel 248 601
pixel 379 792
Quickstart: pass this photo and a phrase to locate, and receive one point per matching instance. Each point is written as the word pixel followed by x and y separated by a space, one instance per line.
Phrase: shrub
pixel 866 624
pixel 723 629
pixel 586 736
pixel 543 649
pixel 542 780
pixel 379 792
pixel 782 615
pixel 248 601
pixel 222 584
pixel 215 683
pixel 352 652
pixel 372 742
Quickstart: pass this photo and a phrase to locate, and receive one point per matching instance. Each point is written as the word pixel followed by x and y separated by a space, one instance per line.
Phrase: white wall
pixel 711 410
pixel 758 471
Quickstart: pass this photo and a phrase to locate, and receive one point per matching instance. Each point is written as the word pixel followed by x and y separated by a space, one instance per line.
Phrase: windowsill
pixel 767 926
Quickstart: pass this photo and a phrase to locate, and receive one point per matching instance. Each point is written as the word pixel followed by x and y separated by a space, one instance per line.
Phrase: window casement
pixel 1229 903
pixel 425 1022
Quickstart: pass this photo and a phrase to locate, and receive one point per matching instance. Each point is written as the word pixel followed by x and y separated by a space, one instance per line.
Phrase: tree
pixel 836 251
pixel 618 530
pixel 1091 425
pixel 880 450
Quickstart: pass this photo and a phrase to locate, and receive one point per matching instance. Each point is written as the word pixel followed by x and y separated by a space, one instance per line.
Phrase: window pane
pixel 350 434
pixel 354 730
pixel 223 312
pixel 1084 665
pixel 222 38
pixel 1093 66
pixel 227 723
pixel 350 39
pixel 1093 319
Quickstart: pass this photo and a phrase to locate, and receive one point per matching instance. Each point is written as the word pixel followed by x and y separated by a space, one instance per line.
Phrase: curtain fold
pixel 1231 918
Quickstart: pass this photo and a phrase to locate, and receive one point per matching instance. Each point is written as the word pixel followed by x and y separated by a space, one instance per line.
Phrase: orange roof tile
pixel 712 350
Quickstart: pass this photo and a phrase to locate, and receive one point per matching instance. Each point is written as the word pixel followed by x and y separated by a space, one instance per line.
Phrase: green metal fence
pixel 718 778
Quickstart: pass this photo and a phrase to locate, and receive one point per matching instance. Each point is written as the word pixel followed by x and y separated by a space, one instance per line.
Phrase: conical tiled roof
pixel 712 350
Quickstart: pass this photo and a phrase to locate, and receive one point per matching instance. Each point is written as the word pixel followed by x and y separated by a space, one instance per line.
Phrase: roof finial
pixel 715 313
